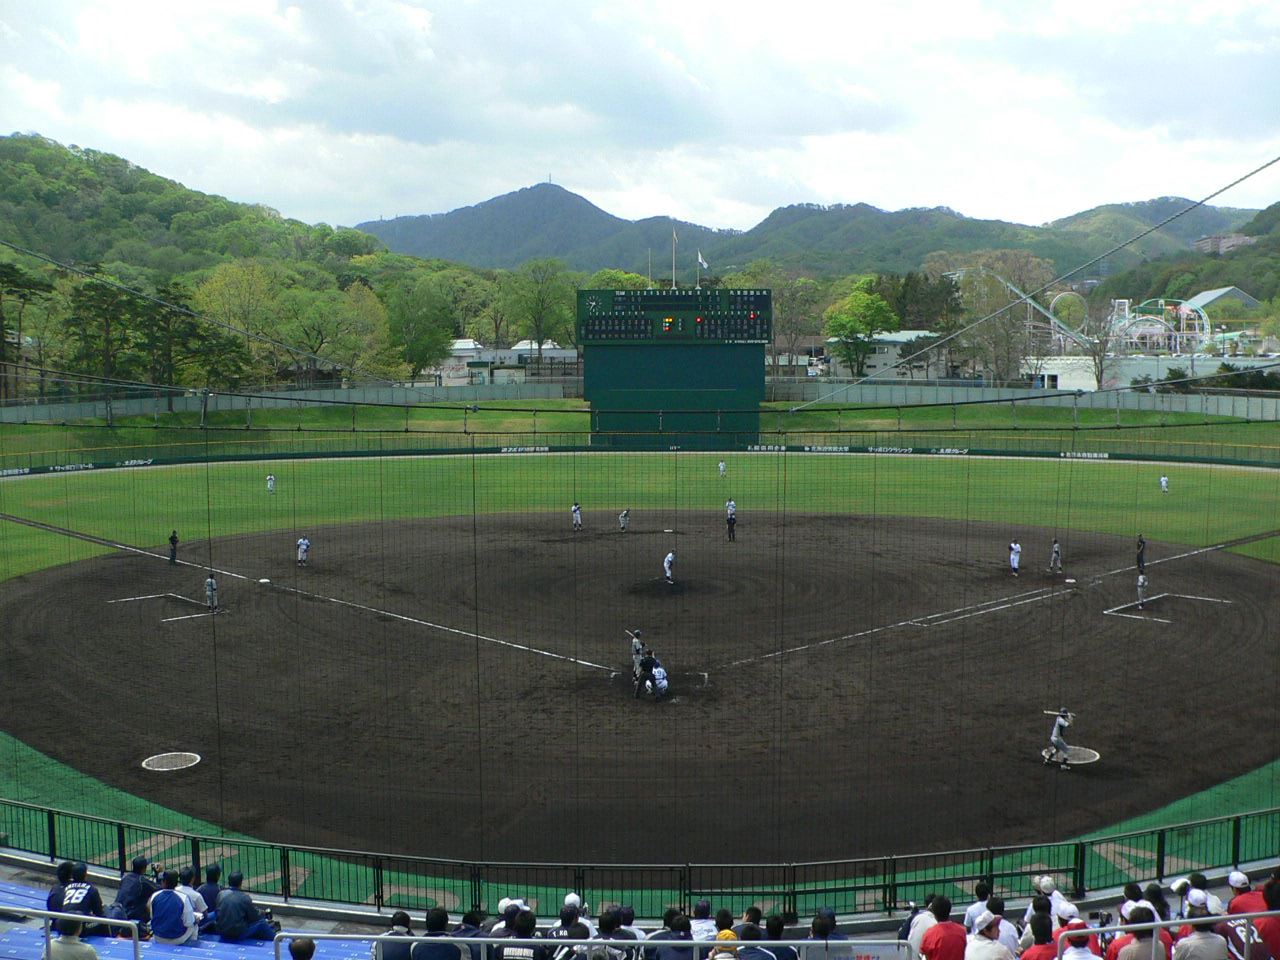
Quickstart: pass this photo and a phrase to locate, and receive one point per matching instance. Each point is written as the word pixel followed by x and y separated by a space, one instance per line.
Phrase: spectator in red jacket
pixel 945 940
pixel 1269 927
pixel 1245 899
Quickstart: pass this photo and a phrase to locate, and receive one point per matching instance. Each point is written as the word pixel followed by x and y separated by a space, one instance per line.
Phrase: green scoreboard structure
pixel 674 368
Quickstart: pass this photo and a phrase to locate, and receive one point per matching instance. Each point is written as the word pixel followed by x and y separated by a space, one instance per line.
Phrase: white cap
pixel 1046 885
pixel 572 900
pixel 985 919
pixel 1180 886
pixel 503 904
pixel 1127 907
pixel 1237 880
pixel 1068 911
pixel 1197 898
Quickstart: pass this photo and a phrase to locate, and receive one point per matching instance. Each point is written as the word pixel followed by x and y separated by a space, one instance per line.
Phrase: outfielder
pixel 730 517
pixel 624 520
pixel 271 483
pixel 576 511
pixel 304 549
pixel 1055 556
pixel 722 469
pixel 668 565
pixel 211 593
pixel 1164 483
pixel 1015 556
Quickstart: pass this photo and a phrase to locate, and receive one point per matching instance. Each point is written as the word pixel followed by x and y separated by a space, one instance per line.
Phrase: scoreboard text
pixel 657 316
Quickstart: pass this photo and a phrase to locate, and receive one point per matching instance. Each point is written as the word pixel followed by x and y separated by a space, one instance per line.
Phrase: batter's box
pixel 170 606
pixel 1160 603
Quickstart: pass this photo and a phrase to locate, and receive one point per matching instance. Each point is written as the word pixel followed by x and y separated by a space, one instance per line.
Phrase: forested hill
pixel 95 208
pixel 548 221
pixel 1254 269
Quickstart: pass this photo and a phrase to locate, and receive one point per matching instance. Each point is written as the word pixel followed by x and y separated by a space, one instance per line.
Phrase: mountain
pixel 548 221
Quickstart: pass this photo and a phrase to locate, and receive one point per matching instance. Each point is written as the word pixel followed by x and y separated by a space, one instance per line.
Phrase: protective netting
pixel 857 672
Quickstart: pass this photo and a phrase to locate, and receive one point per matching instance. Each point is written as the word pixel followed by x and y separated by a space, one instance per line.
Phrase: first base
pixel 1070 580
pixel 264 580
pixel 668 531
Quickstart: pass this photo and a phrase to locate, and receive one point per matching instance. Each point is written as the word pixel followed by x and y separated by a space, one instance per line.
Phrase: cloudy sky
pixel 707 111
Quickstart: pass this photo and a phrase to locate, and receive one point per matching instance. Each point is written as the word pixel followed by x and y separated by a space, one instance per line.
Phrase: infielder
pixel 624 520
pixel 730 517
pixel 304 548
pixel 668 564
pixel 1059 745
pixel 1164 483
pixel 1142 554
pixel 271 483
pixel 1055 556
pixel 576 511
pixel 211 593
pixel 1015 556
pixel 1142 590
pixel 173 548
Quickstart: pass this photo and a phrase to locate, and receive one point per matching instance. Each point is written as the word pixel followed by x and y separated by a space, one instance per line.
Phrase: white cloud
pixel 341 110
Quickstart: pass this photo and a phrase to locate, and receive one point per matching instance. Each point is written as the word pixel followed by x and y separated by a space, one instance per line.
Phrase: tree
pixel 855 321
pixel 421 323
pixel 243 296
pixel 100 330
pixel 543 297
pixel 18 290
pixel 611 279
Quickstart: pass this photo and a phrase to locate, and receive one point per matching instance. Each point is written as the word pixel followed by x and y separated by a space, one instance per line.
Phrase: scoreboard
pixel 709 316
pixel 674 368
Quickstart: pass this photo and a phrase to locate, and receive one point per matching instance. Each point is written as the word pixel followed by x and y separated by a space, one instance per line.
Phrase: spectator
pixel 627 914
pixel 776 928
pixel 1068 913
pixel 651 952
pixel 209 891
pixel 1129 912
pixel 724 921
pixel 751 935
pixel 507 918
pixel 81 896
pixel 62 877
pixel 981 890
pixel 702 926
pixel 1200 942
pixel 945 940
pixel 437 925
pixel 1048 887
pixel 611 929
pixel 401 927
pixel 724 940
pixel 1244 899
pixel 470 927
pixel 1008 932
pixel 172 919
pixel 186 876
pixel 749 915
pixel 681 932
pixel 1076 947
pixel 572 899
pixel 1041 930
pixel 1269 927
pixel 1042 906
pixel 1213 903
pixel 1154 896
pixel 238 918
pixel 135 892
pixel 923 922
pixel 830 914
pixel 302 948
pixel 1241 940
pixel 985 943
pixel 1140 946
pixel 523 926
pixel 69 946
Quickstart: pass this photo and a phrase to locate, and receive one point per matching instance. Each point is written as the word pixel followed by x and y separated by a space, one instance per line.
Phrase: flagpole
pixel 673 257
pixel 650 268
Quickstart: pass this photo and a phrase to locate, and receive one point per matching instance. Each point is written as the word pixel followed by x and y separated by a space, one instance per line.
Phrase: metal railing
pixel 48 915
pixel 870 885
pixel 487 948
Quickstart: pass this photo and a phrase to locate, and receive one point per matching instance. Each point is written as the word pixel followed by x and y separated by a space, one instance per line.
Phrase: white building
pixel 886 350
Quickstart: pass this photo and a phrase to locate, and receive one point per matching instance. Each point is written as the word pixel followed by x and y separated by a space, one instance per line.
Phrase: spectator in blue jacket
pixel 238 918
pixel 54 900
pixel 136 890
pixel 209 892
pixel 173 920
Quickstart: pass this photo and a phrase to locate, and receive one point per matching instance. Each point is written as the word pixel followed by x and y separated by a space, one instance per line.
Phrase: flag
pixel 702 263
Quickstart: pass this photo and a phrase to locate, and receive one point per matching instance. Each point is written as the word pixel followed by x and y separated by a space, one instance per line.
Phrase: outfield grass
pixel 1208 503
